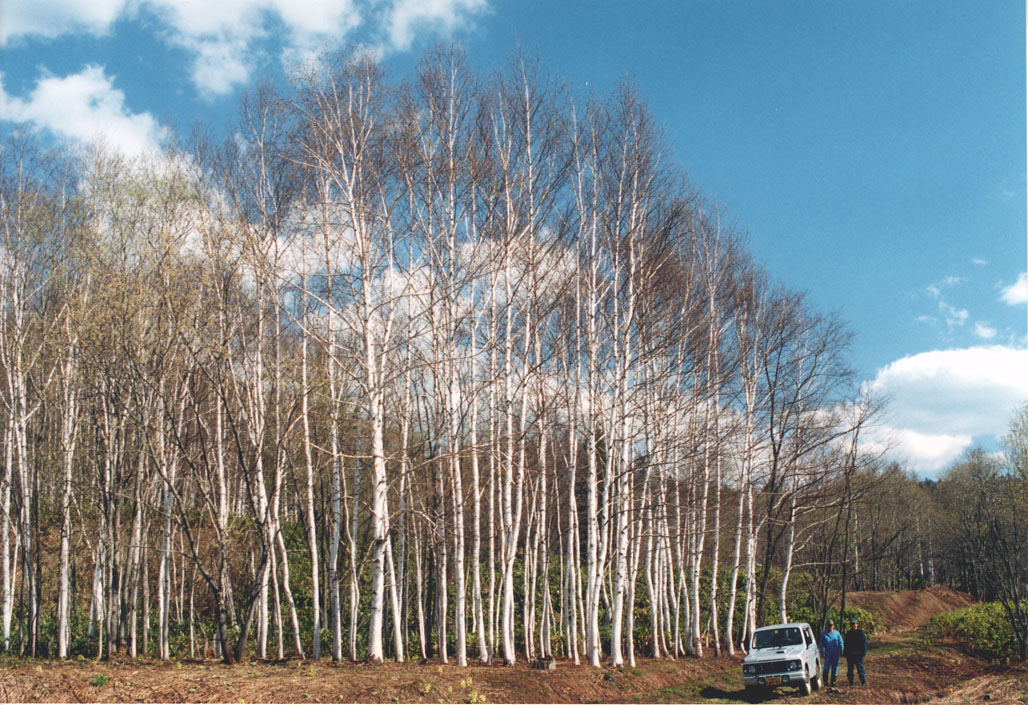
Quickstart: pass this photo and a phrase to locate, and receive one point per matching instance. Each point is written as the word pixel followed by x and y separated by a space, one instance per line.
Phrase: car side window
pixel 809 638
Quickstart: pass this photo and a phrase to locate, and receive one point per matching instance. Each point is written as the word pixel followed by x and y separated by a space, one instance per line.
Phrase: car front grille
pixel 772 667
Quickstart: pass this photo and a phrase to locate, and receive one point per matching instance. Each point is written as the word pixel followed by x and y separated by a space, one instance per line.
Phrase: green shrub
pixel 868 621
pixel 983 628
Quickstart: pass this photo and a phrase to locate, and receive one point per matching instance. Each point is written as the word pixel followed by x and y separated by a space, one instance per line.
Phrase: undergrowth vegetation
pixel 984 628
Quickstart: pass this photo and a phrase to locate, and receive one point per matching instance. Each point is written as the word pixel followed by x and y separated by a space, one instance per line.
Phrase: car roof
pixel 798 625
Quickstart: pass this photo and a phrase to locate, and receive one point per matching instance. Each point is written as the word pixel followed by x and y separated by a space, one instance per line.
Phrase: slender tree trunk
pixel 8 567
pixel 734 580
pixel 69 427
pixel 312 531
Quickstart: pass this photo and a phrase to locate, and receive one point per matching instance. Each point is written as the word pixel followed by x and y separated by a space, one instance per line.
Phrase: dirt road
pixel 900 668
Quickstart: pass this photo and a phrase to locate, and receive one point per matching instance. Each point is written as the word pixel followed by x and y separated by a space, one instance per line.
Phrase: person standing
pixel 831 648
pixel 855 648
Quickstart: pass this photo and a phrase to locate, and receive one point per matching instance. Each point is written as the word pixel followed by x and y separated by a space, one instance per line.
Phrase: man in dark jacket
pixel 854 649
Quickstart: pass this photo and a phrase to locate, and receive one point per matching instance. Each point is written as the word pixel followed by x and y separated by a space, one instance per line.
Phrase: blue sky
pixel 874 152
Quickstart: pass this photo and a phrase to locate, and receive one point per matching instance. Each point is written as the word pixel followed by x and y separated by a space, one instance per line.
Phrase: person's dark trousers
pixel 859 665
pixel 831 669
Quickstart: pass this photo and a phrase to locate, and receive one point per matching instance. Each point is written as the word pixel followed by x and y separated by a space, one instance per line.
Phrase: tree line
pixel 451 366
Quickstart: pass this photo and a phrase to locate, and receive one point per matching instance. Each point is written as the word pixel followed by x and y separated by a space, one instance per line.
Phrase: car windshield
pixel 783 636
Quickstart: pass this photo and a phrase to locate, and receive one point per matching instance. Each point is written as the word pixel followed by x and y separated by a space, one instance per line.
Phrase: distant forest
pixel 444 366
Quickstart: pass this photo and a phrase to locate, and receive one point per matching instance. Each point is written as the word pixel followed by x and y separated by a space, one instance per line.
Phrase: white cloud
pixel 218 65
pixel 979 262
pixel 52 18
pixel 984 331
pixel 83 108
pixel 935 289
pixel 223 37
pixel 1017 293
pixel 925 453
pixel 954 316
pixel 941 400
pixel 406 17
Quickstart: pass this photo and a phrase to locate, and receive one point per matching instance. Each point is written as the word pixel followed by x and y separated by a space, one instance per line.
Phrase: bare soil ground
pixel 901 669
pixel 905 611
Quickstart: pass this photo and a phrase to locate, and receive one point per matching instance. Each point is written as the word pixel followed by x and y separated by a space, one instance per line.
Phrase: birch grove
pixel 448 366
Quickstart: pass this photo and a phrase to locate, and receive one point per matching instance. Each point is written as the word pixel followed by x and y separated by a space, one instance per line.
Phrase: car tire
pixel 815 682
pixel 805 687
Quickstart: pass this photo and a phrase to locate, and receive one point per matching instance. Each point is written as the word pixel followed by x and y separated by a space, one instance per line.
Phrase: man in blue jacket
pixel 831 648
pixel 855 648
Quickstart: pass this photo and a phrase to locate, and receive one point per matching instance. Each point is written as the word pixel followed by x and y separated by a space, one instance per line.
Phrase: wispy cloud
pixel 979 262
pixel 955 317
pixel 936 289
pixel 82 108
pixel 223 37
pixel 53 18
pixel 984 331
pixel 1016 293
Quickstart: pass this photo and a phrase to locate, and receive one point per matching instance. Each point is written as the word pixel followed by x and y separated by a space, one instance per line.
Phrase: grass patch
pixel 99 680
pixel 895 647
pixel 671 694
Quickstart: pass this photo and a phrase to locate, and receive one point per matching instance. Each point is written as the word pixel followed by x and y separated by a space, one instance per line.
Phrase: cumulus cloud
pixel 223 38
pixel 926 453
pixel 941 400
pixel 1017 293
pixel 406 17
pixel 84 107
pixel 219 65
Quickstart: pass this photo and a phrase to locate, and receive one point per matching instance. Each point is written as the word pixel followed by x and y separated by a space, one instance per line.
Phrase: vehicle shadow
pixel 761 695
pixel 739 696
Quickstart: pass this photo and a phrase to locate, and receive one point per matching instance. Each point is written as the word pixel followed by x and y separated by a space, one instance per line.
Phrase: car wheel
pixel 815 682
pixel 805 683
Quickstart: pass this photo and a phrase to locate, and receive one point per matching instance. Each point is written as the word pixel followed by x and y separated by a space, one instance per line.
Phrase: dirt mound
pixel 906 610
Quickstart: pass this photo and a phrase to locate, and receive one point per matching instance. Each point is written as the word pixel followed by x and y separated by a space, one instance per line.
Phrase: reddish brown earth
pixel 905 611
pixel 901 669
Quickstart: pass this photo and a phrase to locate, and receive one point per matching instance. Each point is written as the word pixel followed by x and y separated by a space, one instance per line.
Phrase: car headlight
pixel 795 665
pixel 749 670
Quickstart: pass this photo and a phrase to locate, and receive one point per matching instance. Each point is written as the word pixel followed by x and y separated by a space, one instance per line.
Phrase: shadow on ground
pixel 738 696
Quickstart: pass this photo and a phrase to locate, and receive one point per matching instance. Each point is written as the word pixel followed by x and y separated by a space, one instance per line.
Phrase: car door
pixel 810 656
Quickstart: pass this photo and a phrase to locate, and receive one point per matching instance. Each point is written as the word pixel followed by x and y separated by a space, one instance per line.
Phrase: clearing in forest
pixel 901 669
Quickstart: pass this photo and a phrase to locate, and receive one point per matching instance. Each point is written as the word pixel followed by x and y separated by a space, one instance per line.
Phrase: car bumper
pixel 773 680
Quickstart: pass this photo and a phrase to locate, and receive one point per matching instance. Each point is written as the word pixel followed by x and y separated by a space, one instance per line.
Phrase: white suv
pixel 783 654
